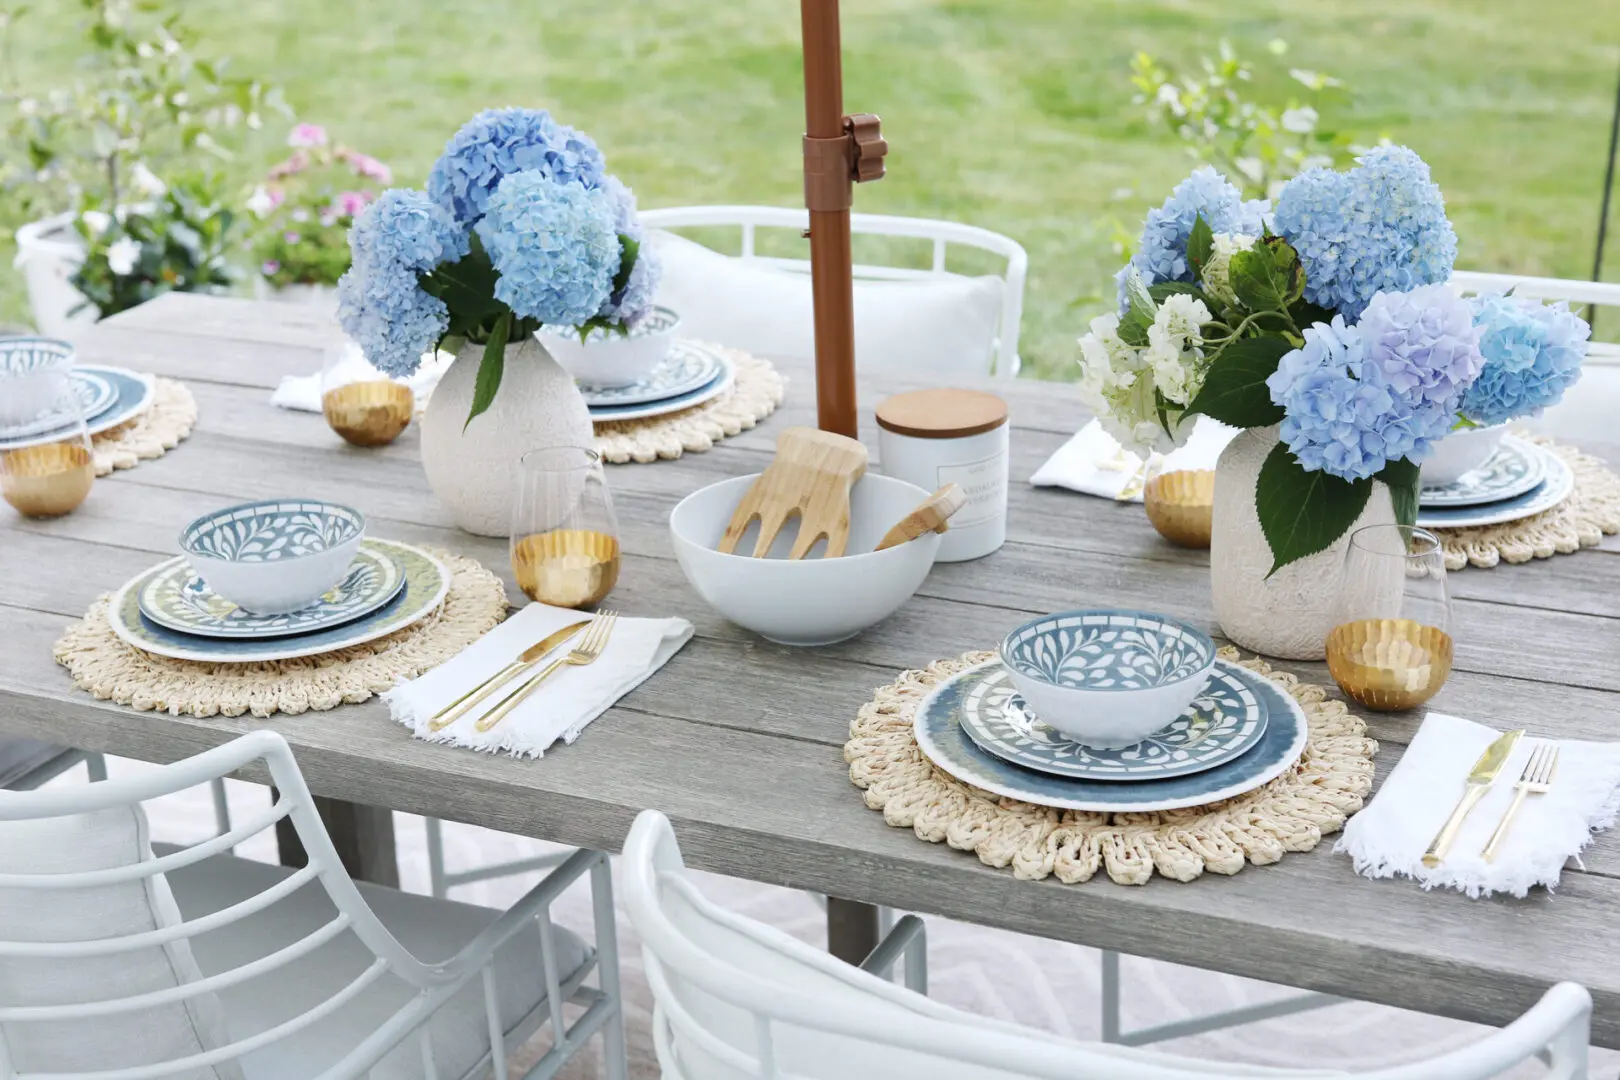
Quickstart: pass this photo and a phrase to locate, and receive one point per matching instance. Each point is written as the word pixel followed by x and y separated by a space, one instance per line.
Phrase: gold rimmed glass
pixel 361 403
pixel 565 537
pixel 1390 647
pixel 53 475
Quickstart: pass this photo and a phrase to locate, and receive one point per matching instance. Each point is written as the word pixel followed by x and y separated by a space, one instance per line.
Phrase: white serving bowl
pixel 1108 678
pixel 1460 452
pixel 276 555
pixel 606 358
pixel 810 601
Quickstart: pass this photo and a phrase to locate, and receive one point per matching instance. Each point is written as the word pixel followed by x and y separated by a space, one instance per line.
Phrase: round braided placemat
pixel 1291 813
pixel 112 669
pixel 170 418
pixel 1582 520
pixel 756 391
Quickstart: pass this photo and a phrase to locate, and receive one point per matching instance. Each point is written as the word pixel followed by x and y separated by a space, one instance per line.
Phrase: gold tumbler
pixel 1180 505
pixel 48 480
pixel 1389 664
pixel 565 536
pixel 566 567
pixel 1390 647
pixel 369 413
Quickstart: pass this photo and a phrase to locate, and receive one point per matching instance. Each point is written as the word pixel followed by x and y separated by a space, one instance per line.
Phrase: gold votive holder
pixel 1180 505
pixel 1389 664
pixel 48 480
pixel 566 567
pixel 369 413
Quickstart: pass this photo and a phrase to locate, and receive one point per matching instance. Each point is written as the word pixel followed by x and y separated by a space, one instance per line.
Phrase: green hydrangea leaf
pixel 1302 513
pixel 1269 276
pixel 628 251
pixel 490 368
pixel 1234 390
pixel 1200 242
pixel 1401 476
pixel 1165 289
pixel 467 287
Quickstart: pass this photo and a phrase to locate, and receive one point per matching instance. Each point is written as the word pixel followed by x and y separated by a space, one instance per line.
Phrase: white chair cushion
pixel 942 325
pixel 432 930
pixel 19 757
pixel 99 840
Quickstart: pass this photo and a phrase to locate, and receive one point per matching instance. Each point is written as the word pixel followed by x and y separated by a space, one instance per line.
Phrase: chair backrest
pixel 942 234
pixel 96 973
pixel 736 999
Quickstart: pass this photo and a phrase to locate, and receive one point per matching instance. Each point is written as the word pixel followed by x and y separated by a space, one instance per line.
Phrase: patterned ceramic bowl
pixel 274 556
pixel 1461 452
pixel 28 399
pixel 608 359
pixel 1108 678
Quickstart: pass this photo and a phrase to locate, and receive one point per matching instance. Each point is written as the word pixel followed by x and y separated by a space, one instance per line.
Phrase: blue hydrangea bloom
pixel 499 142
pixel 1161 251
pixel 380 303
pixel 555 246
pixel 1533 353
pixel 1380 227
pixel 1422 344
pixel 636 298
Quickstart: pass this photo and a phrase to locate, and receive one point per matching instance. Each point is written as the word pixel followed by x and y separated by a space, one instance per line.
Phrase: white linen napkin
pixel 302 393
pixel 1389 836
pixel 1094 463
pixel 562 706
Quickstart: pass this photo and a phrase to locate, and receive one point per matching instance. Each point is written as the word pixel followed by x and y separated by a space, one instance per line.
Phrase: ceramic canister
pixel 936 437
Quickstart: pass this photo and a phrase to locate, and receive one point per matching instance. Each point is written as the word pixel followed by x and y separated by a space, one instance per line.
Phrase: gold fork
pixel 1535 780
pixel 589 648
pixel 526 659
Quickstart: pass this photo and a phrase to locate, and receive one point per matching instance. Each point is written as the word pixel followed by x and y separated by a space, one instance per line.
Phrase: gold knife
pixel 1479 781
pixel 532 655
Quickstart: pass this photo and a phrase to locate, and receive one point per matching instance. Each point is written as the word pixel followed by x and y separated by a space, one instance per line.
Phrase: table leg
pixel 363 836
pixel 852 929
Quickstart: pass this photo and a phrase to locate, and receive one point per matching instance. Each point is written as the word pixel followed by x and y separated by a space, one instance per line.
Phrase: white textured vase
pixel 474 471
pixel 1289 614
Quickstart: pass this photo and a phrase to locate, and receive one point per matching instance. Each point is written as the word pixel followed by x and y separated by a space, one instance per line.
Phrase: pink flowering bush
pixel 306 205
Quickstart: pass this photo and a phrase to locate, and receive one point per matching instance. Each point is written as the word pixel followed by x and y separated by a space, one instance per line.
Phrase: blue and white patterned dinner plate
pixel 689 366
pixel 1558 481
pixel 941 738
pixel 426 584
pixel 718 384
pixel 95 393
pixel 1515 468
pixel 1225 721
pixel 178 599
pixel 132 396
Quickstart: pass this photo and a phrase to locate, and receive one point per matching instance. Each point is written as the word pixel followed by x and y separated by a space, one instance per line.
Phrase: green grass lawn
pixel 1011 114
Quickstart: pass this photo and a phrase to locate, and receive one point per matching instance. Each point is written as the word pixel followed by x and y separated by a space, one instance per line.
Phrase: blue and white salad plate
pixel 689 366
pixel 95 393
pixel 1516 468
pixel 1557 482
pixel 1226 720
pixel 132 395
pixel 176 598
pixel 718 383
pixel 426 584
pixel 939 733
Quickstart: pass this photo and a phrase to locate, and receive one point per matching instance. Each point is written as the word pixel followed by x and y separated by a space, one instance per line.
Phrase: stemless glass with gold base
pixel 565 537
pixel 1390 647
pixel 52 476
pixel 362 404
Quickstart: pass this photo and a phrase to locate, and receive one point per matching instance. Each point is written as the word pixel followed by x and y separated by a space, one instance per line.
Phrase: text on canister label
pixel 985 484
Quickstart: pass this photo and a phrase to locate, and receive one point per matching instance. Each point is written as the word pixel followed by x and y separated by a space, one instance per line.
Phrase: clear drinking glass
pixel 362 403
pixel 53 473
pixel 565 538
pixel 1390 647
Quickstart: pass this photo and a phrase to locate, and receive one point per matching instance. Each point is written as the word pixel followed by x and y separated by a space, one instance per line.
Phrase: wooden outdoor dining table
pixel 740 741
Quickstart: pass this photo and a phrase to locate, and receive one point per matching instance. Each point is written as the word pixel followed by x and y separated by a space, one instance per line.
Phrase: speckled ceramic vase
pixel 474 472
pixel 1289 614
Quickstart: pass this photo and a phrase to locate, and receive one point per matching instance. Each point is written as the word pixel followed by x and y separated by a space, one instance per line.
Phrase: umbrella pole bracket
pixel 833 166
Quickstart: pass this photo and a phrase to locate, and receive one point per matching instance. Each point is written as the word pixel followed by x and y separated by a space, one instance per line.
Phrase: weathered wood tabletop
pixel 739 741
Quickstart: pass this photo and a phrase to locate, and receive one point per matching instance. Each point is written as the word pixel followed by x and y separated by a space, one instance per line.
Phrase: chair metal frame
pixel 1556 1030
pixel 434 984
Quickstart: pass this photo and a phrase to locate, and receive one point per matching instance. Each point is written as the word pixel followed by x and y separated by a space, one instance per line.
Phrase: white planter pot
pixel 48 253
pixel 474 471
pixel 1461 452
pixel 1289 614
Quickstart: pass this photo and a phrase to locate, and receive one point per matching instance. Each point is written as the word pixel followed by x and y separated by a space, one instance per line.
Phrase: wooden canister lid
pixel 942 413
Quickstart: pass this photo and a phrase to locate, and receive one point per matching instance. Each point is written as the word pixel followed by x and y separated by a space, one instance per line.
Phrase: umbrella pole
pixel 838 150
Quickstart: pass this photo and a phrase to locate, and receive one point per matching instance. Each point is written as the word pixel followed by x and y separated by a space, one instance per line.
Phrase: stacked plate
pixel 169 611
pixel 1519 480
pixel 108 397
pixel 690 374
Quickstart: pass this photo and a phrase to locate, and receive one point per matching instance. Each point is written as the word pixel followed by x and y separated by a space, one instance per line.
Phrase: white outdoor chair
pixel 1588 410
pixel 735 999
pixel 121 963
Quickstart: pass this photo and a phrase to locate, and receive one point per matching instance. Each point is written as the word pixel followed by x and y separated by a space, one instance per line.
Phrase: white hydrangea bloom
pixel 1124 385
pixel 122 255
pixel 1218 270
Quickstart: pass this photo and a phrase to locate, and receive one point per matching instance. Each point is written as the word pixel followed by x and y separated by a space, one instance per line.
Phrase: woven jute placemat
pixel 756 391
pixel 1291 813
pixel 1591 512
pixel 169 419
pixel 113 670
